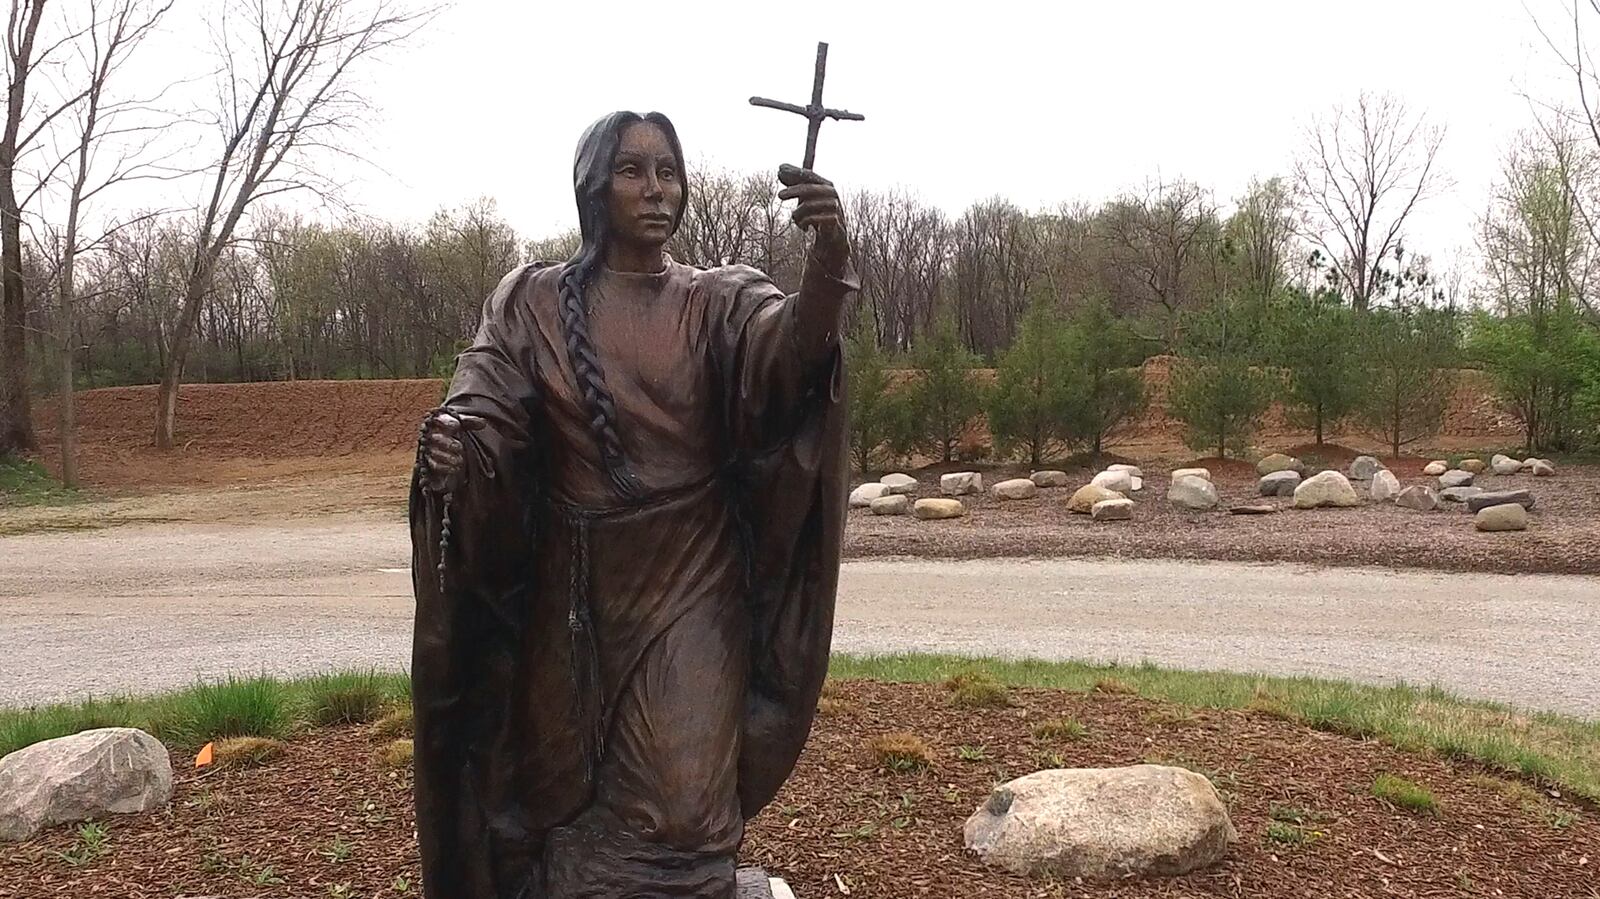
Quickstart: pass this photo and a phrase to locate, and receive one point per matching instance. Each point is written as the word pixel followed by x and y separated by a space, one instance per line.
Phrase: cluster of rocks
pixel 1104 498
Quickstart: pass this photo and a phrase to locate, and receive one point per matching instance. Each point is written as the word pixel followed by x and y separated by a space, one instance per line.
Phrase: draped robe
pixel 607 687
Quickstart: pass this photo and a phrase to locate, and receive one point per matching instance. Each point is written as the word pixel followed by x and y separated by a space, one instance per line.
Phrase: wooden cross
pixel 815 112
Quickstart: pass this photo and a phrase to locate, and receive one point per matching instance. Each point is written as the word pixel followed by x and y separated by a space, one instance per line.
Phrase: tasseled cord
pixel 425 470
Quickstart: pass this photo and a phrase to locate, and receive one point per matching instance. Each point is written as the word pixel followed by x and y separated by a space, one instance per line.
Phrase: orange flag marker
pixel 205 757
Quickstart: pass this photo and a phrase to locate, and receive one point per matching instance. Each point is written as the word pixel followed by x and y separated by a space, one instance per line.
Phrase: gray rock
pixel 1542 468
pixel 1326 489
pixel 1120 481
pixel 1016 488
pixel 1385 487
pixel 938 509
pixel 1202 473
pixel 1049 478
pixel 1279 462
pixel 1504 465
pixel 1193 492
pixel 1279 483
pixel 108 770
pixel 1112 510
pixel 1458 494
pixel 893 504
pixel 899 483
pixel 1419 498
pixel 1133 471
pixel 1362 468
pixel 1254 509
pixel 753 883
pixel 1102 824
pixel 961 483
pixel 1497 497
pixel 1504 517
pixel 1456 477
pixel 862 496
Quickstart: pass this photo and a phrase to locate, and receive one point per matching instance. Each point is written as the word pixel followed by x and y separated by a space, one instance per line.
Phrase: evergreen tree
pixel 1031 407
pixel 944 396
pixel 1215 391
pixel 1315 339
pixel 1104 379
pixel 872 402
pixel 1408 352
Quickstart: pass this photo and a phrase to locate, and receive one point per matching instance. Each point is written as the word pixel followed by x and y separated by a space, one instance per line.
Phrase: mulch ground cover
pixel 325 819
pixel 1563 535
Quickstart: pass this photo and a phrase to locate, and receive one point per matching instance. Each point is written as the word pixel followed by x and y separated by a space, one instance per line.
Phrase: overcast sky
pixel 1039 102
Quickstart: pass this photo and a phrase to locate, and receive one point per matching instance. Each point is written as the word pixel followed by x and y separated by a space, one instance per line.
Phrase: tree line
pixel 1302 288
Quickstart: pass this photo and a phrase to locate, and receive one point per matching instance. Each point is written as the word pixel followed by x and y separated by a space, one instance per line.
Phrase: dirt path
pixel 142 608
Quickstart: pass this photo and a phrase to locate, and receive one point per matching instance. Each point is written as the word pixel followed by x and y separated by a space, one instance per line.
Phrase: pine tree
pixel 945 396
pixel 1103 355
pixel 1215 390
pixel 1407 353
pixel 1315 339
pixel 1032 405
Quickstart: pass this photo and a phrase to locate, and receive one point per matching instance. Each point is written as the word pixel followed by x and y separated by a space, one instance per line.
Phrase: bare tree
pixel 1363 173
pixel 285 89
pixel 1163 246
pixel 102 150
pixel 901 249
pixel 1259 234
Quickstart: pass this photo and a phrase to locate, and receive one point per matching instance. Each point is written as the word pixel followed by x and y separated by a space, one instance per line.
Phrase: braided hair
pixel 591 175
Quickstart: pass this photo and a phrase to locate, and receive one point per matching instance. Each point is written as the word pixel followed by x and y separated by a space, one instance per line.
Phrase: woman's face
pixel 646 186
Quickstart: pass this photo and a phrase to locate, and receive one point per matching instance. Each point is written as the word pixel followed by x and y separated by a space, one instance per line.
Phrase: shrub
pixel 395 723
pixel 977 691
pixel 901 753
pixel 345 699
pixel 395 755
pixel 247 707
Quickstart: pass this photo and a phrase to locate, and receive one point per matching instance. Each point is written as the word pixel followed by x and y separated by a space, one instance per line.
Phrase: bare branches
pixel 1363 173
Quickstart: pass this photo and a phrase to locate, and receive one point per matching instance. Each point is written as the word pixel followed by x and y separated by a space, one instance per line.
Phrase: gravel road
pixel 142 608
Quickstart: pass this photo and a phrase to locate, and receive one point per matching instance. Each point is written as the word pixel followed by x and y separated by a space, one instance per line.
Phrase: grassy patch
pixel 1544 747
pixel 236 707
pixel 1406 794
pixel 1060 729
pixel 246 752
pixel 25 483
pixel 397 754
pixel 901 753
pixel 1289 834
pixel 977 690
pixel 395 723
pixel 346 698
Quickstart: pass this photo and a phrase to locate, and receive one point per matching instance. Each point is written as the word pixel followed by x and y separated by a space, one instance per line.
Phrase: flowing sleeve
pixel 470 612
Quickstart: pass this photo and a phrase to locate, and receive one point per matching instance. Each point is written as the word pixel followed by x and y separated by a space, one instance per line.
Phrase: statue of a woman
pixel 626 522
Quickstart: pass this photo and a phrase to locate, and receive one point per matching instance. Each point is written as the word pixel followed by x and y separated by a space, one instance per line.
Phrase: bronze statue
pixel 626 522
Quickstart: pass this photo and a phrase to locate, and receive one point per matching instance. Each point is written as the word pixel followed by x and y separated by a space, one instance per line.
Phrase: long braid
pixel 591 379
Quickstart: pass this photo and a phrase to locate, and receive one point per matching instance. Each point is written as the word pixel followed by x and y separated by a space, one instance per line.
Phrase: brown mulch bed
pixel 1563 536
pixel 842 823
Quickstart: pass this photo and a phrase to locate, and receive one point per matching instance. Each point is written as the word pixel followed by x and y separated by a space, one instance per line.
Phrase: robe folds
pixel 606 687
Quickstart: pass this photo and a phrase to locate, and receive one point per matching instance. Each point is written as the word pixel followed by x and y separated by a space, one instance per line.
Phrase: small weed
pixel 864 832
pixel 372 813
pixel 394 724
pixel 1052 760
pixel 1060 729
pixel 977 691
pixel 1406 794
pixel 251 871
pixel 1289 834
pixel 971 753
pixel 396 755
pixel 1289 814
pixel 338 851
pixel 401 884
pixel 1170 716
pixel 901 753
pixel 89 845
pixel 246 752
pixel 1561 819
pixel 833 707
pixel 341 891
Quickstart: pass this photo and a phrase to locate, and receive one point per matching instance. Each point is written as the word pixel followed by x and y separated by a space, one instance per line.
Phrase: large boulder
pixel 1192 492
pixel 1016 488
pixel 1362 468
pixel 109 770
pixel 1279 483
pixel 1435 468
pixel 938 509
pixel 1120 481
pixel 1279 462
pixel 1497 497
pixel 893 504
pixel 1503 464
pixel 1543 468
pixel 1082 502
pixel 1475 466
pixel 1133 471
pixel 1504 517
pixel 1418 497
pixel 1458 494
pixel 1102 824
pixel 961 483
pixel 1329 488
pixel 862 496
pixel 1385 486
pixel 1112 510
pixel 1201 473
pixel 899 483
pixel 1050 478
pixel 1456 477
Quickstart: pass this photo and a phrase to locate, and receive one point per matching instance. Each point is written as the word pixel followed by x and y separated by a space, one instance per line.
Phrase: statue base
pixel 753 883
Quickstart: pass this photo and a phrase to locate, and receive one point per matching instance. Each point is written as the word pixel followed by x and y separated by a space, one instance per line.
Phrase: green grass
pixel 26 483
pixel 1060 729
pixel 346 698
pixel 1406 794
pixel 1543 748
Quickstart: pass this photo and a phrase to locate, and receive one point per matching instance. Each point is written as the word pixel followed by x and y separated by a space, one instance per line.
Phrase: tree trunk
pixel 16 411
pixel 64 394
